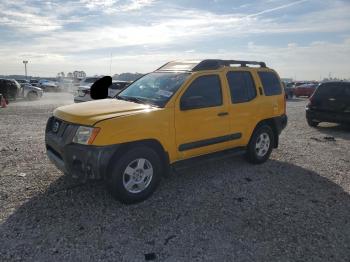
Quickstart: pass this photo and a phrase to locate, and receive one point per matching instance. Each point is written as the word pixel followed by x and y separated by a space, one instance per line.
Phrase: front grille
pixel 60 129
pixel 56 126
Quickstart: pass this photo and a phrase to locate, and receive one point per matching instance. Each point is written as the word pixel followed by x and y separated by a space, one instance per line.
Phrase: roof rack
pixel 208 64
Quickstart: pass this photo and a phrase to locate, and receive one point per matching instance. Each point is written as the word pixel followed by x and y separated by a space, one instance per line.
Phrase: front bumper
pixel 80 161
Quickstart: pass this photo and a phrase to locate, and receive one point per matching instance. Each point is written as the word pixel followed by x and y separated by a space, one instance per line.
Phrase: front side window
pixel 155 88
pixel 242 86
pixel 205 91
pixel 271 83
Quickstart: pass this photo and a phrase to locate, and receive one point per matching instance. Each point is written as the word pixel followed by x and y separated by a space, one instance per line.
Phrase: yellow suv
pixel 185 110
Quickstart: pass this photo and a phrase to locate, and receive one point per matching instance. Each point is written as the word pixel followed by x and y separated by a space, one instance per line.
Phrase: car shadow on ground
pixel 336 130
pixel 225 210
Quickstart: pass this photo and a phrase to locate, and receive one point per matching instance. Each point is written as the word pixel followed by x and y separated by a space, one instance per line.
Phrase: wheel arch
pixel 271 122
pixel 151 143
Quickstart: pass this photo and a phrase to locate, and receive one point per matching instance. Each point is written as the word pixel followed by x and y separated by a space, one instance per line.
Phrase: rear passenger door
pixel 274 99
pixel 244 105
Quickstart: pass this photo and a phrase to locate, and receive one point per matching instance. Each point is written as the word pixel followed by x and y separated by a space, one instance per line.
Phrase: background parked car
pixel 304 90
pixel 34 82
pixel 117 87
pixel 31 92
pixel 9 88
pixel 329 103
pixel 22 82
pixel 83 92
pixel 48 86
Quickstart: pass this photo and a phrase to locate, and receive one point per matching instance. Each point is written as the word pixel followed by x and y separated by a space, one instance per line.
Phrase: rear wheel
pixel 260 145
pixel 135 176
pixel 312 123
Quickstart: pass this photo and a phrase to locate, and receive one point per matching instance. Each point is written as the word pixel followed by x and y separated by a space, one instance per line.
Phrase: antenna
pixel 110 65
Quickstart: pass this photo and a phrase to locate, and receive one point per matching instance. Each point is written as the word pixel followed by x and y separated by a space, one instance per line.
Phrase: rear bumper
pixel 281 123
pixel 321 116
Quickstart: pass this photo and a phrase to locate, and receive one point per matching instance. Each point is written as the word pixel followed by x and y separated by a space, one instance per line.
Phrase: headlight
pixel 85 135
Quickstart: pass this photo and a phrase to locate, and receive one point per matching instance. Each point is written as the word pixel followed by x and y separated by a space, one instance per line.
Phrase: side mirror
pixel 99 89
pixel 192 102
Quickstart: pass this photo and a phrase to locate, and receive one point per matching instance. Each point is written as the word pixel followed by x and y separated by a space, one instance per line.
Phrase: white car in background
pixel 48 85
pixel 117 87
pixel 83 93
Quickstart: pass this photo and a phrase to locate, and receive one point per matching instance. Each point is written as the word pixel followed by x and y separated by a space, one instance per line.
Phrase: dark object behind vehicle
pixel 329 103
pixel 9 88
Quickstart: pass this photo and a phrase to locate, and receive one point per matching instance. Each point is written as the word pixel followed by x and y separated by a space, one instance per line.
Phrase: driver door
pixel 201 118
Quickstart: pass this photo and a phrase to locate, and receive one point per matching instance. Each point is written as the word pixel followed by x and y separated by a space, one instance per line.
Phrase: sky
pixel 302 39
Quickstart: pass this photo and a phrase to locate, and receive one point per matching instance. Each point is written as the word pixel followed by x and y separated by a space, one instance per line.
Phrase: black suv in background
pixel 329 103
pixel 9 88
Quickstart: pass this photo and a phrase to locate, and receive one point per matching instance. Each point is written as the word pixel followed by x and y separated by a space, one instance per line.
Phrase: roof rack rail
pixel 243 63
pixel 208 64
pixel 212 64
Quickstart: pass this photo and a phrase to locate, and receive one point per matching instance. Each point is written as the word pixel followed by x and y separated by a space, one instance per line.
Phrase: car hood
pixel 30 87
pixel 89 113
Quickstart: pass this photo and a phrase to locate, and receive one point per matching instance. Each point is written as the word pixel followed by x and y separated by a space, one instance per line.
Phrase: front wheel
pixel 260 145
pixel 135 176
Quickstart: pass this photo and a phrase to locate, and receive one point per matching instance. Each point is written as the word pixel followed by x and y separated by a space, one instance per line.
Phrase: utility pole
pixel 25 67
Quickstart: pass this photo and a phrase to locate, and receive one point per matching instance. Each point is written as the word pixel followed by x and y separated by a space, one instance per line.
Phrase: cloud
pixel 64 36
pixel 278 8
pixel 113 6
pixel 137 4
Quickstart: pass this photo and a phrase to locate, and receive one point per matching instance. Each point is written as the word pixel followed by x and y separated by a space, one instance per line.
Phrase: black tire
pixel 252 152
pixel 116 177
pixel 32 96
pixel 311 122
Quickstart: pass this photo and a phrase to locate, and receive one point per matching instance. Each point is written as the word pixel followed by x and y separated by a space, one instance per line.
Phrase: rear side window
pixel 242 87
pixel 271 83
pixel 205 91
pixel 329 90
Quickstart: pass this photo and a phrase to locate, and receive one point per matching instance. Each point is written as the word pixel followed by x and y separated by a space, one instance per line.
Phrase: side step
pixel 195 161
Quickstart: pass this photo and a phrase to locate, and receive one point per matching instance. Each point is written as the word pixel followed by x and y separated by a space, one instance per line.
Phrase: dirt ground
pixel 295 207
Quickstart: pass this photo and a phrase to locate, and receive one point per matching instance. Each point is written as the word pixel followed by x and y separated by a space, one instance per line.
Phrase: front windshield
pixel 154 88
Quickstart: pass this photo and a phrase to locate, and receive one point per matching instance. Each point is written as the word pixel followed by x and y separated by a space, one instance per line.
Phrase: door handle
pixel 223 114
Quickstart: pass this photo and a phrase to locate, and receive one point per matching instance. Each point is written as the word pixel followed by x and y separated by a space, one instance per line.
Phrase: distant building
pixel 79 74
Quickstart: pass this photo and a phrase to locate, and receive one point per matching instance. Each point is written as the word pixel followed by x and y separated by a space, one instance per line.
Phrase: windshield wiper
pixel 136 100
pixel 131 99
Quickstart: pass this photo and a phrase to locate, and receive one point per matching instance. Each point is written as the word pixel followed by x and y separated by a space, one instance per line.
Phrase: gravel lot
pixel 296 207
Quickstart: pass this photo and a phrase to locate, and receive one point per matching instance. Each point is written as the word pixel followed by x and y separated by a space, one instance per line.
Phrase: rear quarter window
pixel 329 90
pixel 271 83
